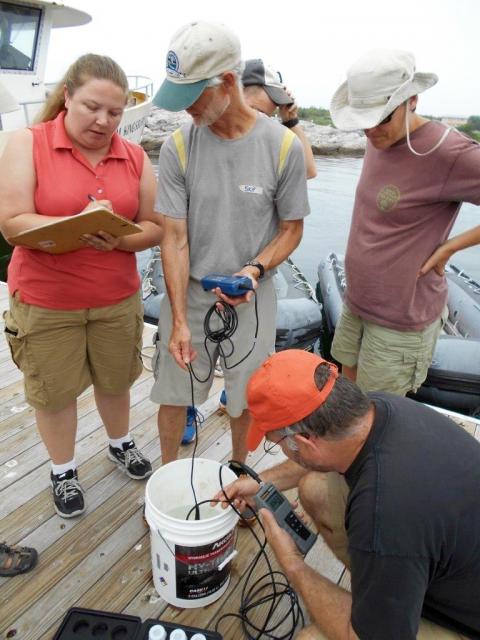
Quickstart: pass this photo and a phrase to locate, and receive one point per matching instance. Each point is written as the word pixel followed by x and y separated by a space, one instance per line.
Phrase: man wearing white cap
pixel 416 174
pixel 232 190
pixel 264 91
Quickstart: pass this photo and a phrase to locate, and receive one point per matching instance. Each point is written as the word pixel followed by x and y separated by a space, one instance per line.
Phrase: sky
pixel 312 42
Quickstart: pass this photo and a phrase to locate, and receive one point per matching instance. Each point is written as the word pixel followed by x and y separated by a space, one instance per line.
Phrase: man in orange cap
pixel 399 505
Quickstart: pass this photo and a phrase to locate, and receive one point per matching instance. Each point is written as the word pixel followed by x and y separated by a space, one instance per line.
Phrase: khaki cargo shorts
pixel 337 502
pixel 386 360
pixel 61 353
pixel 172 384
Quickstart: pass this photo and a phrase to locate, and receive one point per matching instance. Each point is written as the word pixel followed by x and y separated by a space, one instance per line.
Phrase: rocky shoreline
pixel 324 140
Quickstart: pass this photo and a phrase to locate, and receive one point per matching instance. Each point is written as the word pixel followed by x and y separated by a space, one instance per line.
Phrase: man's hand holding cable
pixel 240 492
pixel 180 345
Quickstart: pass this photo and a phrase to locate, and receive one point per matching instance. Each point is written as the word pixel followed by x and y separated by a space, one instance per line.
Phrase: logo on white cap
pixel 173 65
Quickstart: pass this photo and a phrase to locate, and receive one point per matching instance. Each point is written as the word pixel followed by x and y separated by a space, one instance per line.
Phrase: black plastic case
pixel 89 624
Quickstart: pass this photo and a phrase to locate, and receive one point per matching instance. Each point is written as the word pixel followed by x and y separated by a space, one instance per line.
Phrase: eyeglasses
pixel 272 447
pixel 387 119
pixel 390 115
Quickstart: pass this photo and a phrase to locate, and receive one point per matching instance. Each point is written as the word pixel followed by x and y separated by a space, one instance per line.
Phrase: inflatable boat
pixel 453 380
pixel 299 315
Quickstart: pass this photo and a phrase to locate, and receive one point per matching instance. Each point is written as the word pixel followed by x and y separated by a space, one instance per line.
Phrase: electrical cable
pixel 229 320
pixel 195 422
pixel 271 588
pixel 227 314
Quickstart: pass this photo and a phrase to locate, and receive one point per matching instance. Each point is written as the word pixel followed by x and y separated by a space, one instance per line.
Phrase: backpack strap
pixel 288 138
pixel 287 141
pixel 180 146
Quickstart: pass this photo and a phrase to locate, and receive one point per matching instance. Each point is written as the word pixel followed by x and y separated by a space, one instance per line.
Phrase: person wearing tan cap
pixel 415 176
pixel 232 191
pixel 264 91
pixel 391 485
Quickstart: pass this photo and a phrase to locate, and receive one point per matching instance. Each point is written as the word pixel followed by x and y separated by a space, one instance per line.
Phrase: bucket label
pixel 197 571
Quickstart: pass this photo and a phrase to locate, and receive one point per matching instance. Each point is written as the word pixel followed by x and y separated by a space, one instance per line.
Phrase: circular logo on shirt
pixel 388 197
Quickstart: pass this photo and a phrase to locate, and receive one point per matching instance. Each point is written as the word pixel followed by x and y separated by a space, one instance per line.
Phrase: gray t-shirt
pixel 231 193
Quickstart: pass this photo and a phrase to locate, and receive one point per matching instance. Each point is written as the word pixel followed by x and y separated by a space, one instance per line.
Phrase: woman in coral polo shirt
pixel 75 318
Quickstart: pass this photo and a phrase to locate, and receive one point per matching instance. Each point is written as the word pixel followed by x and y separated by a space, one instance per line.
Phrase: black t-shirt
pixel 413 524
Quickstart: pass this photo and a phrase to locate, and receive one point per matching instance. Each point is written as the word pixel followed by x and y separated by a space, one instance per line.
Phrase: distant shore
pixel 325 141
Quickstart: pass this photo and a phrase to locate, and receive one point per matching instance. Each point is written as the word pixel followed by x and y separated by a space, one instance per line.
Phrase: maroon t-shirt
pixel 405 207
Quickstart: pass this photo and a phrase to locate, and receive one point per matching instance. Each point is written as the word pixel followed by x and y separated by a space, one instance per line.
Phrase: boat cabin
pixel 24 38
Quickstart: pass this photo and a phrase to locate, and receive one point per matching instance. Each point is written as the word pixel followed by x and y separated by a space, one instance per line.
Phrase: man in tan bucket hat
pixel 415 176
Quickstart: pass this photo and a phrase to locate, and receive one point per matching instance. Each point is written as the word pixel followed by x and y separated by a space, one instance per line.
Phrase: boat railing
pixel 141 83
pixel 25 106
pixel 135 83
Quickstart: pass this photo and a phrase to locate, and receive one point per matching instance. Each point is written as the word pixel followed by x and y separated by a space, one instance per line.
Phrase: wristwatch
pixel 258 265
pixel 291 123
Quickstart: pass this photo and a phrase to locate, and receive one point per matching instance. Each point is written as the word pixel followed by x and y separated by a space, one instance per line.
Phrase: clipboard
pixel 64 235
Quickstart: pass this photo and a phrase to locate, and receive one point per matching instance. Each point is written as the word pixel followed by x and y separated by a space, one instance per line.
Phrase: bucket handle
pixel 227 560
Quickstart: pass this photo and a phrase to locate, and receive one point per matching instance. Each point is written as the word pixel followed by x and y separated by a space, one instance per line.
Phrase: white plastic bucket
pixel 190 558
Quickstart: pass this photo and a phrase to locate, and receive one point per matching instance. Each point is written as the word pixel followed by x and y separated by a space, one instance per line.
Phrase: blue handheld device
pixel 229 285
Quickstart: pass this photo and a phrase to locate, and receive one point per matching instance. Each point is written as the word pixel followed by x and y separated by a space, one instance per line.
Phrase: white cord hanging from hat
pixel 425 153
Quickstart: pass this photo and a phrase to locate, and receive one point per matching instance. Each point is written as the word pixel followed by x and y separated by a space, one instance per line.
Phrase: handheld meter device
pixel 229 285
pixel 269 497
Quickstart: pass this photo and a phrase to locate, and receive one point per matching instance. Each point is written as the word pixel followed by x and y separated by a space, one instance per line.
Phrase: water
pixel 331 196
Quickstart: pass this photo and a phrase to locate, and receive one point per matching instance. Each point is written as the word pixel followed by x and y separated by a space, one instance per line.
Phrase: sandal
pixel 15 560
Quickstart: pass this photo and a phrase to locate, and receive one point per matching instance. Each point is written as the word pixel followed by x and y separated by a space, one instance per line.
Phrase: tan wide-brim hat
pixel 379 82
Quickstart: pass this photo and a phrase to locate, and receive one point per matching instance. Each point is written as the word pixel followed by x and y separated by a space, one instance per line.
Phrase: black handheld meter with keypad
pixel 269 497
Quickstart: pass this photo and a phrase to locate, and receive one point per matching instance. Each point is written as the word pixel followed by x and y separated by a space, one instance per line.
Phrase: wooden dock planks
pixel 102 560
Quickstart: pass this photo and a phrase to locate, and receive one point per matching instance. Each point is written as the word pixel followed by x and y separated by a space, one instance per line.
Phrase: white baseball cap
pixel 198 52
pixel 377 83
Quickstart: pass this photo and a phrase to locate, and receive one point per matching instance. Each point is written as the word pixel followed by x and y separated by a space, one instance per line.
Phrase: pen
pixel 93 199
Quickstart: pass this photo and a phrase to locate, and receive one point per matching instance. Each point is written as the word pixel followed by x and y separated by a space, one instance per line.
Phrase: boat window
pixel 19 28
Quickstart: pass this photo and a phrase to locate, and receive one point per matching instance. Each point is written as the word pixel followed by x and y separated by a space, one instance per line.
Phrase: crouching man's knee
pixel 310 633
pixel 313 495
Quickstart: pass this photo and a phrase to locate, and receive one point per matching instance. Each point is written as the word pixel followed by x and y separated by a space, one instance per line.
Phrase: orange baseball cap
pixel 283 391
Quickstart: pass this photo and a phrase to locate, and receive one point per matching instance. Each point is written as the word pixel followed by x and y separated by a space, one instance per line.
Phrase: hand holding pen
pixel 98 203
pixel 101 241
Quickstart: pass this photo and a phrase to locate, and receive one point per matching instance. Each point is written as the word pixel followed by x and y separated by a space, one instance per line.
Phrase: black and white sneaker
pixel 68 495
pixel 131 460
